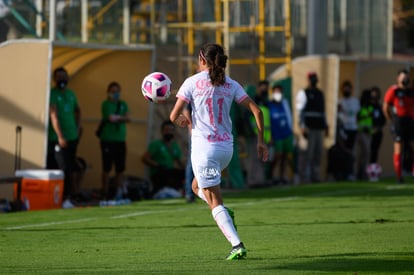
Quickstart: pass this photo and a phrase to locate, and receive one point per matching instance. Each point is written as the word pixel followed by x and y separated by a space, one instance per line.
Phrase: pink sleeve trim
pixel 183 98
pixel 242 98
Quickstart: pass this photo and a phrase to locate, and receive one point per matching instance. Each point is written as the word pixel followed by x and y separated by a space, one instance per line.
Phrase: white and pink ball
pixel 156 87
pixel 374 171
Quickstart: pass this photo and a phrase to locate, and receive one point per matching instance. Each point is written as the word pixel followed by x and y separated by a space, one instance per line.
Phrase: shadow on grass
pixel 339 189
pixel 353 263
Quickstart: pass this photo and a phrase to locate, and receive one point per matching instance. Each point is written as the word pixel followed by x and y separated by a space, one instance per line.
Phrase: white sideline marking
pixel 395 187
pixel 140 213
pixel 48 224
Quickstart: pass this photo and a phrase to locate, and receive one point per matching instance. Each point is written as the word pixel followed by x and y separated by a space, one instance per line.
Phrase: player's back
pixel 211 108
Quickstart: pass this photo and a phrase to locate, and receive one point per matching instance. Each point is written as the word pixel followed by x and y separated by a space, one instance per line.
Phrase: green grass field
pixel 340 228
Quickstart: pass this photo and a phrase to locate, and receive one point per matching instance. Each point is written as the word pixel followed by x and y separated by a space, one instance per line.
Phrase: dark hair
pixel 402 71
pixel 58 70
pixel 365 98
pixel 277 86
pixel 113 84
pixel 216 61
pixel 377 89
pixel 263 82
pixel 347 83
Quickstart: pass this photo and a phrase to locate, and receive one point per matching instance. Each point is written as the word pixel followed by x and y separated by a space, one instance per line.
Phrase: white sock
pixel 201 195
pixel 225 224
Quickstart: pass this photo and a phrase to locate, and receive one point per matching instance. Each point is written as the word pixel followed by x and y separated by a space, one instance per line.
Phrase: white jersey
pixel 211 110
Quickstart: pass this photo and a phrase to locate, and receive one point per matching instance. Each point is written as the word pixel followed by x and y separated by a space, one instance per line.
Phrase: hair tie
pixel 202 55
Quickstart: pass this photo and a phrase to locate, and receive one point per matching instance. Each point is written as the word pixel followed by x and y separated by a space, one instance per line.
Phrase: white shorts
pixel 208 164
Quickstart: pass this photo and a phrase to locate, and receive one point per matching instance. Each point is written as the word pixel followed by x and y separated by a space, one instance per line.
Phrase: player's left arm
pixel 177 116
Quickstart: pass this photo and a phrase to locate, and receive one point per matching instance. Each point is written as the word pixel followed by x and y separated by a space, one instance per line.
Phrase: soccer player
pixel 398 108
pixel 211 93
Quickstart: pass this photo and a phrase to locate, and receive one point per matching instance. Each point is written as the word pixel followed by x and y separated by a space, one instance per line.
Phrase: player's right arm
pixel 177 116
pixel 56 126
pixel 258 116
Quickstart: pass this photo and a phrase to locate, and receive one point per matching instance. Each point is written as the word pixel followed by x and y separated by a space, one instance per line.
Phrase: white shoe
pixel 67 204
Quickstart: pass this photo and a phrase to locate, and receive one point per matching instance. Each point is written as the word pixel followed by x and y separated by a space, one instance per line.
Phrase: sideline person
pixel 310 105
pixel 64 129
pixel 164 158
pixel 113 136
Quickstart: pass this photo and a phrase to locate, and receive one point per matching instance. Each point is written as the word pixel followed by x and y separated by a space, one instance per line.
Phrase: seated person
pixel 163 156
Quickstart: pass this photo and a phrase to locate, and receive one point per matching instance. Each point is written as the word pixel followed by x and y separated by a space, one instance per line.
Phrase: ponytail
pixel 216 61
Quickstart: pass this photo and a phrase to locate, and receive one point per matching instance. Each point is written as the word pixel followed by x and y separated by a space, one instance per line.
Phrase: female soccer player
pixel 211 93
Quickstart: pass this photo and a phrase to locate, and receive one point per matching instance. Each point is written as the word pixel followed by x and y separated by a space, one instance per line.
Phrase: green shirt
pixel 365 118
pixel 66 104
pixel 113 131
pixel 164 155
pixel 267 133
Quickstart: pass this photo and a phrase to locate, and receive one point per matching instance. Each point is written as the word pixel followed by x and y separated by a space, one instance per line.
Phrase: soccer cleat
pixel 231 214
pixel 237 252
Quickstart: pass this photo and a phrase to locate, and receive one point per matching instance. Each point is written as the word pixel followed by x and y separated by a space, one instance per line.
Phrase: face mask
pixel 62 84
pixel 277 97
pixel 405 82
pixel 168 137
pixel 265 95
pixel 115 96
pixel 313 80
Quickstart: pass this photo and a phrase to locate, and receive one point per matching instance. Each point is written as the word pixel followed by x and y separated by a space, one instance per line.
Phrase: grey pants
pixel 310 164
pixel 364 152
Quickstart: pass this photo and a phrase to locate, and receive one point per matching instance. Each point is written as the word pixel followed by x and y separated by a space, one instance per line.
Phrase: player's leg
pixel 399 137
pixel 119 161
pixel 197 190
pixel 397 160
pixel 224 221
pixel 208 175
pixel 106 168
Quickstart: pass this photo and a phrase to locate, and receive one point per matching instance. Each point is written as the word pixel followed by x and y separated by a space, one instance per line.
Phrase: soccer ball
pixel 374 171
pixel 156 87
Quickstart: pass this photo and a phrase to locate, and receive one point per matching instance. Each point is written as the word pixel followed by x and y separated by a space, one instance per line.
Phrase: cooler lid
pixel 40 174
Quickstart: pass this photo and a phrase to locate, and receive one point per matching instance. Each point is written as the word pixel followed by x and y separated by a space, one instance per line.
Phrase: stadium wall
pixel 332 71
pixel 25 77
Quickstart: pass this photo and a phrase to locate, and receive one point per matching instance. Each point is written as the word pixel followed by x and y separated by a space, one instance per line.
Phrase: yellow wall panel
pixel 24 92
pixel 25 77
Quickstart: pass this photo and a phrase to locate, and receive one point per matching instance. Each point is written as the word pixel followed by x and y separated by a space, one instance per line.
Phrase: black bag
pixel 101 125
pixel 98 131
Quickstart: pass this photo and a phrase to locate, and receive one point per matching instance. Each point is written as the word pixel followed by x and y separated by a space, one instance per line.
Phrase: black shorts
pixel 403 129
pixel 113 153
